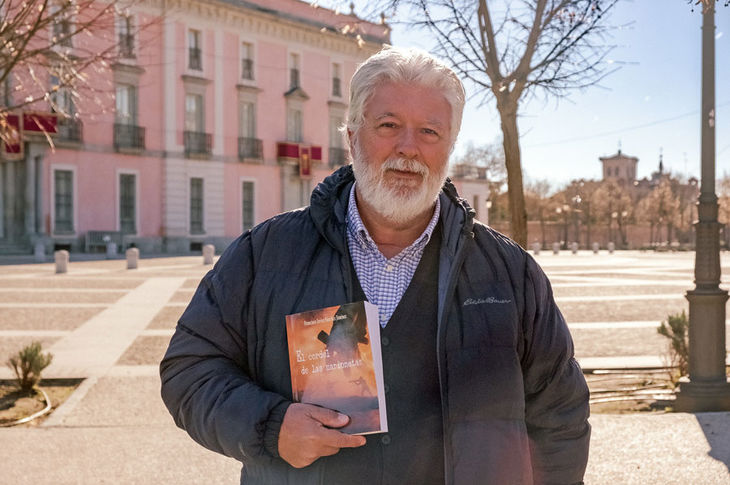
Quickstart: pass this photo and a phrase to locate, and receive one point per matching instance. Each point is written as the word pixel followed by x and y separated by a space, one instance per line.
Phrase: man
pixel 481 384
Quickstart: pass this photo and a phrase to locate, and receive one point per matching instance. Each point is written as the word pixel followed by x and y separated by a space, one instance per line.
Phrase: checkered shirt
pixel 384 281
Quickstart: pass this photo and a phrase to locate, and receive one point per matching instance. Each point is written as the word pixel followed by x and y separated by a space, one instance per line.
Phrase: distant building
pixel 218 115
pixel 619 167
pixel 472 183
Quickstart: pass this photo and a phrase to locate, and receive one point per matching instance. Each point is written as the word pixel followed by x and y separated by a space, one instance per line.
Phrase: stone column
pixel 707 388
pixel 30 185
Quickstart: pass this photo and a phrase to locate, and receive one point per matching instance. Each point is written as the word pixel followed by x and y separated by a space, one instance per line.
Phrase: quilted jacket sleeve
pixel 556 393
pixel 205 383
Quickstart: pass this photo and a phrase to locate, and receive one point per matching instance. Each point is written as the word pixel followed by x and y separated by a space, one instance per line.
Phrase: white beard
pixel 399 202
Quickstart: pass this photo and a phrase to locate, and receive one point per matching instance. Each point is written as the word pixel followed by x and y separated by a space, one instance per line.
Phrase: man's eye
pixel 387 124
pixel 429 131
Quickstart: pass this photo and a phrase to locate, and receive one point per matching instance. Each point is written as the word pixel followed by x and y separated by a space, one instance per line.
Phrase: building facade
pixel 215 116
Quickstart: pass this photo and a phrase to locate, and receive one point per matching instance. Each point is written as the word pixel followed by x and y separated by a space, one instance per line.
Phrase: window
pixel 247 61
pixel 247 122
pixel 196 206
pixel 62 101
pixel 337 152
pixel 63 202
pixel 247 200
pixel 126 104
pixel 195 58
pixel 128 203
pixel 336 83
pixel 62 26
pixel 293 71
pixel 194 120
pixel 126 36
pixel 294 125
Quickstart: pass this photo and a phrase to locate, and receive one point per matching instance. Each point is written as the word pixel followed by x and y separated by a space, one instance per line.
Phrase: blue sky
pixel 652 102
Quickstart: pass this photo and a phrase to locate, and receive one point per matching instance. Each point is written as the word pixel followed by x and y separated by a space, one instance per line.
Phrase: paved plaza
pixel 110 326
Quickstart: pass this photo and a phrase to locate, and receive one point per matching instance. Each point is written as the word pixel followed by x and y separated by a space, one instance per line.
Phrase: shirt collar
pixel 356 228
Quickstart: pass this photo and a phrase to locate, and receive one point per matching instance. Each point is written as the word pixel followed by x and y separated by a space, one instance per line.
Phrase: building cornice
pixel 288 29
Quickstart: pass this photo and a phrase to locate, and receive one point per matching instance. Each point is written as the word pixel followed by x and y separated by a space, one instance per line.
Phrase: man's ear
pixel 351 140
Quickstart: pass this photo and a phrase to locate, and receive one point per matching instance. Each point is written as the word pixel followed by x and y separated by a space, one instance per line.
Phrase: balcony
pixel 195 59
pixel 126 46
pixel 128 137
pixel 247 69
pixel 338 157
pixel 70 131
pixel 250 149
pixel 197 143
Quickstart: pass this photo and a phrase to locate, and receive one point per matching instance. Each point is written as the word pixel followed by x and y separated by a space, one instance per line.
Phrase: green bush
pixel 28 365
pixel 676 329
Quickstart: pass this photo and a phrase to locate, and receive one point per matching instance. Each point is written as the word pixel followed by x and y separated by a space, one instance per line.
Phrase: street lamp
pixel 707 388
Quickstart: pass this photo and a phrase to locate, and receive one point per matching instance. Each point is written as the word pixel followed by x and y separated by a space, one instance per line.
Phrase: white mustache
pixel 405 165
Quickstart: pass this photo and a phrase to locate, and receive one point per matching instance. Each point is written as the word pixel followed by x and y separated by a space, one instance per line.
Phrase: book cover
pixel 336 362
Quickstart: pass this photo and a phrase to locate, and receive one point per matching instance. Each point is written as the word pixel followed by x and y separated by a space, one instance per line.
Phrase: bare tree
pixel 539 205
pixel 613 207
pixel 509 49
pixel 50 51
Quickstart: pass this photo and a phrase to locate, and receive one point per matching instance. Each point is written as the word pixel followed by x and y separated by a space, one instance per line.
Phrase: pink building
pixel 218 115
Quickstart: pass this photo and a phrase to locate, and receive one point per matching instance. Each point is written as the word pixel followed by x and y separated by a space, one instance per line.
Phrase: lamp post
pixel 707 388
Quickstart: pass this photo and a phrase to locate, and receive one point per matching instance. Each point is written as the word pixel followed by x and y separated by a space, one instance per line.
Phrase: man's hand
pixel 305 434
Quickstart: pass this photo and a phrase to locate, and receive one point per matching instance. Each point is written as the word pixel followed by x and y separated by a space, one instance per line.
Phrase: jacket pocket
pixel 484 382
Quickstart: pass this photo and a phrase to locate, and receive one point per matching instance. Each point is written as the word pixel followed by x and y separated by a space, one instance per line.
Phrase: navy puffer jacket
pixel 515 403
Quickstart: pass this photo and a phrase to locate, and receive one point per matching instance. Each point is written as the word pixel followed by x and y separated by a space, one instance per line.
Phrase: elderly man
pixel 481 384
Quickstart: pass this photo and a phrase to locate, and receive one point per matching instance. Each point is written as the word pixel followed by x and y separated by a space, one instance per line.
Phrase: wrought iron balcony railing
pixel 128 136
pixel 70 130
pixel 197 143
pixel 250 148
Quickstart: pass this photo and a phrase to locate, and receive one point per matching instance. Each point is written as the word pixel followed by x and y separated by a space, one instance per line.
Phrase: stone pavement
pixel 111 326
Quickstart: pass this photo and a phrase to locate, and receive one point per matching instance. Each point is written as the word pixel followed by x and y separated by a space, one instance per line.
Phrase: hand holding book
pixel 308 433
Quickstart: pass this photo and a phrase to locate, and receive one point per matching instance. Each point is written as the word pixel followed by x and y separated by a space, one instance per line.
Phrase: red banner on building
pixel 46 123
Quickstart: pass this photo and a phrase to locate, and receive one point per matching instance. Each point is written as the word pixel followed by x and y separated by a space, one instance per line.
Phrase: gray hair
pixel 404 65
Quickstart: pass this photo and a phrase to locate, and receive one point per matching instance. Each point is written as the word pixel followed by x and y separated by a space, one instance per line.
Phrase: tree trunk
pixel 512 158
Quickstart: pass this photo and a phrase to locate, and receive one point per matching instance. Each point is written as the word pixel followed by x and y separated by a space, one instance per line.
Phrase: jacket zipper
pixel 440 351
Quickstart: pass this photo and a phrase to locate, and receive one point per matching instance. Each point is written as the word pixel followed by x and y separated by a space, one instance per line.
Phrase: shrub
pixel 676 329
pixel 28 365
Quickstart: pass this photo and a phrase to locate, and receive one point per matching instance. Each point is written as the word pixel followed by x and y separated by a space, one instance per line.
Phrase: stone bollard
pixel 595 248
pixel 611 247
pixel 574 247
pixel 61 258
pixel 208 253
pixel 111 250
pixel 39 252
pixel 132 258
pixel 556 248
pixel 536 246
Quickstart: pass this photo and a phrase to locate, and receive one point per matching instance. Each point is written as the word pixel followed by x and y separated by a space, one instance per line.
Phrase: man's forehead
pixel 394 99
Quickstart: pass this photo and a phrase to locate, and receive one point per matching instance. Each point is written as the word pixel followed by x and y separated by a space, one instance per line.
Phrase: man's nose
pixel 407 146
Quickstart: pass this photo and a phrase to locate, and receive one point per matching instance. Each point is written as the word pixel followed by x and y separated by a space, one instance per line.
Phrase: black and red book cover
pixel 336 362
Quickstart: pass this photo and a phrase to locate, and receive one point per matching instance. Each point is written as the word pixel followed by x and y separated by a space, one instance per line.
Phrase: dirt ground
pixel 15 405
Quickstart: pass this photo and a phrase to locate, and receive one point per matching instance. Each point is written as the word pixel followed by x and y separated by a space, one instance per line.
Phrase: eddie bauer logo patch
pixel 480 301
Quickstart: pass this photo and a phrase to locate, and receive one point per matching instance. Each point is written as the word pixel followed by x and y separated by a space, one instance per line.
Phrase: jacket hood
pixel 328 208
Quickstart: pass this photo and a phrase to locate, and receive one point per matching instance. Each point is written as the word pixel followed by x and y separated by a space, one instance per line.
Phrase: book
pixel 336 362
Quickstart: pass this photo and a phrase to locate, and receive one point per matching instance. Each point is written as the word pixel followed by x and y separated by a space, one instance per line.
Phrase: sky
pixel 651 105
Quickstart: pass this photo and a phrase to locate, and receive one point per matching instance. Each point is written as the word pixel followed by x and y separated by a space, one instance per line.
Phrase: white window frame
pixel 252 44
pixel 137 181
pixel 291 54
pixel 241 180
pixel 201 45
pixel 341 65
pixel 120 20
pixel 75 189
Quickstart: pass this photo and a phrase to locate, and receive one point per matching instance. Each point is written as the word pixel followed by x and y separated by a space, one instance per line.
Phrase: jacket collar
pixel 328 208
